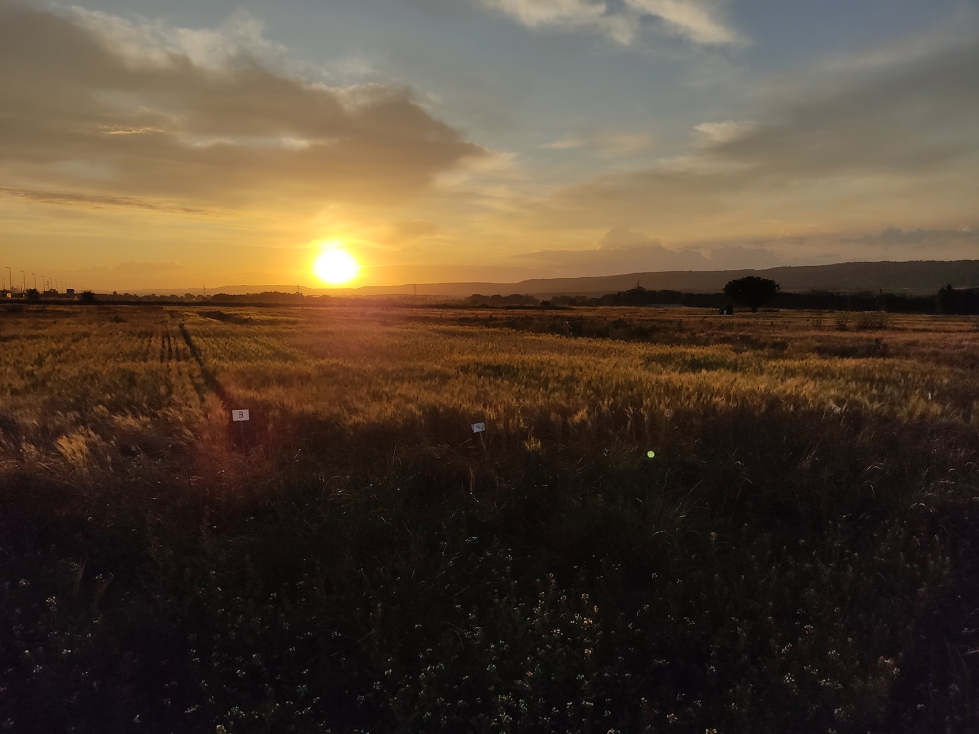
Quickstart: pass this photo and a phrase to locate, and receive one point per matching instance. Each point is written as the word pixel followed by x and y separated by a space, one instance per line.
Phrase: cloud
pixel 921 237
pixel 103 111
pixel 745 258
pixel 565 143
pixel 567 14
pixel 615 144
pixel 620 238
pixel 533 13
pixel 603 142
pixel 576 263
pixel 156 45
pixel 909 117
pixel 723 132
pixel 623 250
pixel 695 20
pixel 893 143
pixel 97 201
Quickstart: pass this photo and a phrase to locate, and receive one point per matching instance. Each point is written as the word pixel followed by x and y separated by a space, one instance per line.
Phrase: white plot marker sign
pixel 239 417
pixel 480 428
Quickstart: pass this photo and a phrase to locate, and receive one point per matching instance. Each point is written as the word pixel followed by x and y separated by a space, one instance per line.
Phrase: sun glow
pixel 336 266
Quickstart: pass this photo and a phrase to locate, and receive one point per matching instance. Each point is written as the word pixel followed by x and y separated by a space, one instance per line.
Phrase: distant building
pixel 69 291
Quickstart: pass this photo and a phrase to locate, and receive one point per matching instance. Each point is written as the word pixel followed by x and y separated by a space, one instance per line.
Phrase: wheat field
pixel 674 521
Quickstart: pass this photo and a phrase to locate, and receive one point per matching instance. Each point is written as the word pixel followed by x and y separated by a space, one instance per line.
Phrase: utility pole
pixel 23 282
pixel 10 280
pixel 35 280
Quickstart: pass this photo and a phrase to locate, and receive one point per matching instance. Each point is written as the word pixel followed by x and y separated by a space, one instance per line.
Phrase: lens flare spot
pixel 651 454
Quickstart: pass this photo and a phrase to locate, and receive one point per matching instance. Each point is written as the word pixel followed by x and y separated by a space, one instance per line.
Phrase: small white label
pixel 239 415
pixel 479 427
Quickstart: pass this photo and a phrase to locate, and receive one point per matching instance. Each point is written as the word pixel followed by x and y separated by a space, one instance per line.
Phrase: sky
pixel 178 144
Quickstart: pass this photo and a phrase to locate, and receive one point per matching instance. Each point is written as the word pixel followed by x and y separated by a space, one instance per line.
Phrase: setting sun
pixel 336 267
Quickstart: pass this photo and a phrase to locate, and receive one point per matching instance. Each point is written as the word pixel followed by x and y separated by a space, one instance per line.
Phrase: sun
pixel 336 267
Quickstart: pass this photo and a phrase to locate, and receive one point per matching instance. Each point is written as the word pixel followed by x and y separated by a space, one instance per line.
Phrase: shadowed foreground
pixel 796 558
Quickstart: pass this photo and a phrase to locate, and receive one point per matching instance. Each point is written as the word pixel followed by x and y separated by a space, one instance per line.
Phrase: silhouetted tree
pixel 33 294
pixel 751 291
pixel 947 300
pixel 88 297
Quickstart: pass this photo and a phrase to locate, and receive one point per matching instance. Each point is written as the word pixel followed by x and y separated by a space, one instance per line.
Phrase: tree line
pixel 948 300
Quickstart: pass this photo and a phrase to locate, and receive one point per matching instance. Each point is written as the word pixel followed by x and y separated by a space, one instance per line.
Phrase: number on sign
pixel 239 415
pixel 479 427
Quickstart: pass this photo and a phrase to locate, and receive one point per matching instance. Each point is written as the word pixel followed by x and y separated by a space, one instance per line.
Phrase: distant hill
pixel 917 277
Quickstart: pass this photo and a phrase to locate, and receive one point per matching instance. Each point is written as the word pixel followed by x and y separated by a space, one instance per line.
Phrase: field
pixel 795 555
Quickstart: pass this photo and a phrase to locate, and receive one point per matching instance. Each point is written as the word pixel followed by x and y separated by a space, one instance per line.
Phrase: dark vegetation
pixel 947 301
pixel 798 557
pixel 267 297
pixel 497 300
pixel 952 301
pixel 751 291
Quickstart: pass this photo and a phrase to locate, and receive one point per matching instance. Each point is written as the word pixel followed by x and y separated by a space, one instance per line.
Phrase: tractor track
pixel 210 379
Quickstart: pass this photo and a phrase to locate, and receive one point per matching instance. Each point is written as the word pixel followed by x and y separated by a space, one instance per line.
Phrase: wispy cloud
pixel 894 236
pixel 603 142
pixel 698 21
pixel 723 132
pixel 694 20
pixel 565 143
pixel 894 143
pixel 623 238
pixel 623 250
pixel 96 201
pixel 568 14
